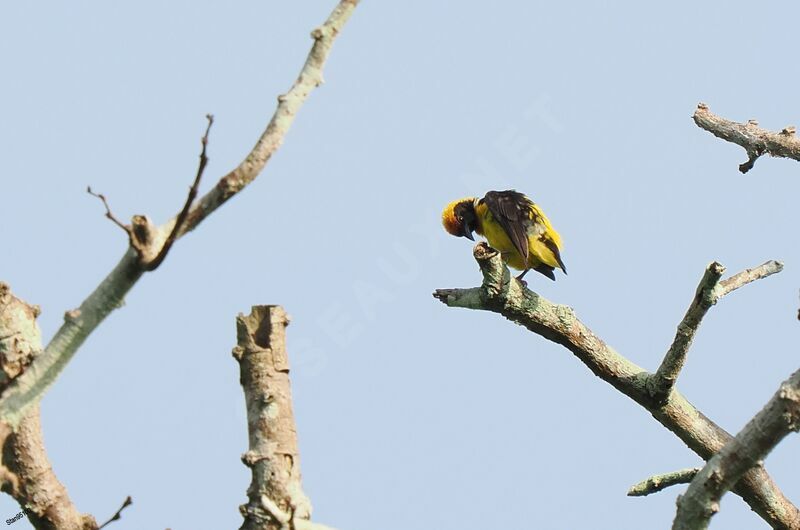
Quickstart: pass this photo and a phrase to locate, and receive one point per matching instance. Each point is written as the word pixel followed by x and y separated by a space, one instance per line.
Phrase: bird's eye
pixel 460 218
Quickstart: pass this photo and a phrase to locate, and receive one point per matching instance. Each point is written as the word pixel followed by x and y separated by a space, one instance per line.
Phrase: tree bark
pixel 275 494
pixel 502 294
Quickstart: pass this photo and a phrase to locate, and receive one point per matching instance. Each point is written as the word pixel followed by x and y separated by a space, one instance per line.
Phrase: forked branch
pixel 142 235
pixel 27 389
pixel 501 294
pixel 708 293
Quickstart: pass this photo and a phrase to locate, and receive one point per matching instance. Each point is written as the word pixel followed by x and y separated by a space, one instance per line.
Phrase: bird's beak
pixel 468 233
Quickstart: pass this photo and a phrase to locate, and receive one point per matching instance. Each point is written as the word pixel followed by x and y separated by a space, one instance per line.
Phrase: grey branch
pixel 27 389
pixel 26 471
pixel 500 294
pixel 749 275
pixel 755 140
pixel 779 417
pixel 657 483
pixel 276 498
pixel 708 293
pixel 664 379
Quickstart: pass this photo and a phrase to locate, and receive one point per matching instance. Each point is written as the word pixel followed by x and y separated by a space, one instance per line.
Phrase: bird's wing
pixel 513 211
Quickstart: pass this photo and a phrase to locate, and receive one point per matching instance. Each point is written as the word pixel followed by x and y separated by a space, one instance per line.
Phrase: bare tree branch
pixel 779 417
pixel 664 379
pixel 288 105
pixel 749 275
pixel 276 498
pixel 558 323
pixel 709 291
pixel 755 140
pixel 26 471
pixel 45 499
pixel 657 483
pixel 79 323
pixel 142 235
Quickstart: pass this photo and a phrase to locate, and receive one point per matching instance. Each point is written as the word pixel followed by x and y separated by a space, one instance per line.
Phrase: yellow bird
pixel 513 225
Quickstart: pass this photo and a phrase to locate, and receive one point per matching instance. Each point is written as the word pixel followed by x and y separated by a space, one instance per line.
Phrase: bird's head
pixel 459 218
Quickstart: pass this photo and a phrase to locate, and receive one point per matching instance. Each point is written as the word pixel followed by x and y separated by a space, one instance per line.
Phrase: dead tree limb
pixel 501 294
pixel 27 389
pixel 779 417
pixel 26 472
pixel 708 293
pixel 275 497
pixel 755 140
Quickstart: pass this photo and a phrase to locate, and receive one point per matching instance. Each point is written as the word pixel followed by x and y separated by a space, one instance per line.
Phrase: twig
pixel 128 501
pixel 749 275
pixel 709 291
pixel 181 219
pixel 109 214
pixel 657 483
pixel 109 295
pixel 755 140
pixel 779 417
pixel 272 456
pixel 560 324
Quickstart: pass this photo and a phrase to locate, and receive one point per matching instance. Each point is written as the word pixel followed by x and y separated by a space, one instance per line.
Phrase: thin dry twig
pixel 109 214
pixel 755 140
pixel 663 481
pixel 128 501
pixel 559 324
pixel 180 221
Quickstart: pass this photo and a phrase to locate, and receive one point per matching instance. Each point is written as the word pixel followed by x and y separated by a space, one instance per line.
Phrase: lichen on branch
pixel 500 293
pixel 779 417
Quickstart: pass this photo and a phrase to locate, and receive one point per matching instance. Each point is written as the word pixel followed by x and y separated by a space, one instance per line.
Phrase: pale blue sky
pixel 410 414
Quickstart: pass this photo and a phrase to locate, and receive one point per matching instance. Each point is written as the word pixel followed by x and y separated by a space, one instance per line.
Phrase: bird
pixel 513 225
